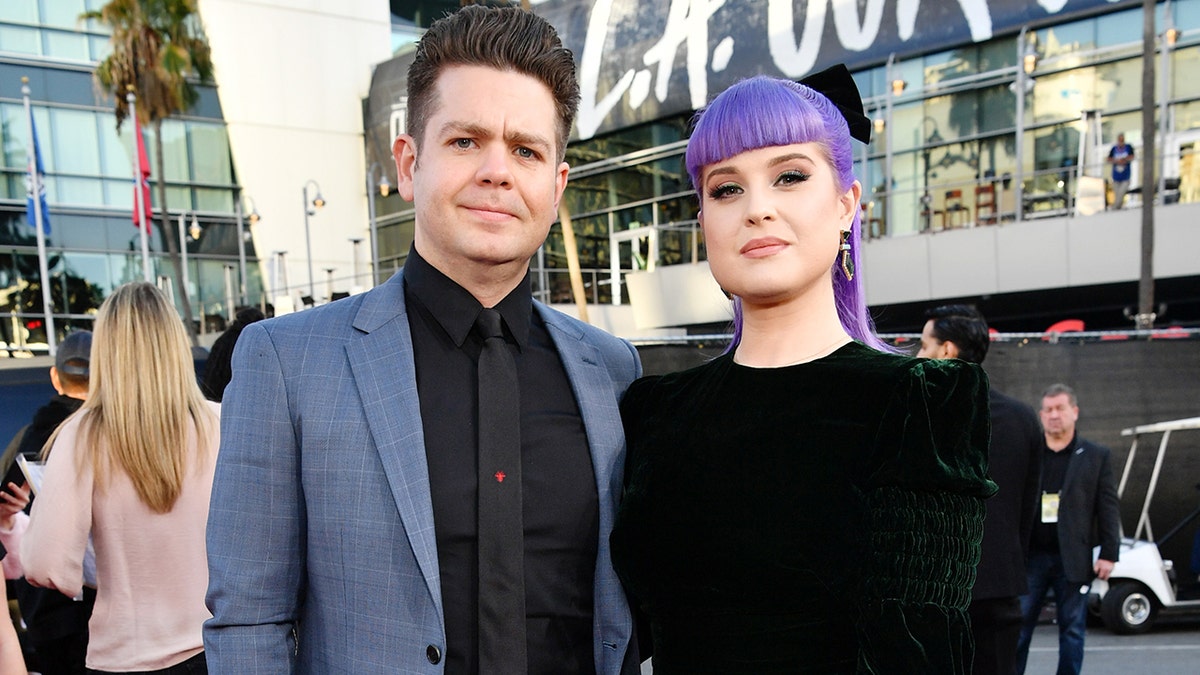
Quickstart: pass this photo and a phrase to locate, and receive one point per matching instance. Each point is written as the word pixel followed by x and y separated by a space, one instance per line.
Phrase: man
pixel 1014 462
pixel 346 514
pixel 57 626
pixel 1120 156
pixel 1078 498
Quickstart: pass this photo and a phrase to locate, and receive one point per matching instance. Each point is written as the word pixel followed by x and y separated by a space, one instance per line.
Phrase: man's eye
pixel 462 143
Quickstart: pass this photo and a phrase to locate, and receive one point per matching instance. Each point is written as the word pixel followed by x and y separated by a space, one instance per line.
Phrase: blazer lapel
pixel 384 371
pixel 592 385
pixel 593 388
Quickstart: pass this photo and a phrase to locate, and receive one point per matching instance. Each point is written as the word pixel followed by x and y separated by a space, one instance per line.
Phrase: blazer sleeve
pixel 256 521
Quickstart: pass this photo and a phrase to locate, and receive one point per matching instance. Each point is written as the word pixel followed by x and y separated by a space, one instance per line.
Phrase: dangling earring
pixel 847 261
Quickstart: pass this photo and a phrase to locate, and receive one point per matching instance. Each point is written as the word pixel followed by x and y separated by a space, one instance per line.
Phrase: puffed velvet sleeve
pixel 924 482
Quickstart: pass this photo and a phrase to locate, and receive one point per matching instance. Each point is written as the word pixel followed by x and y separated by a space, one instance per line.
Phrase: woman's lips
pixel 763 247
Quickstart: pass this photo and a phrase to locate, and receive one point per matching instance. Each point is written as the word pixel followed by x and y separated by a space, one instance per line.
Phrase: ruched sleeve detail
pixel 924 547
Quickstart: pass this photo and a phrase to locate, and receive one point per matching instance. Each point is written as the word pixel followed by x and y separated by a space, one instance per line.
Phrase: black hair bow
pixel 836 83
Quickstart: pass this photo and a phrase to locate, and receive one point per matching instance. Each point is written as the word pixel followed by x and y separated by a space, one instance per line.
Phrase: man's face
pixel 486 181
pixel 931 347
pixel 1058 415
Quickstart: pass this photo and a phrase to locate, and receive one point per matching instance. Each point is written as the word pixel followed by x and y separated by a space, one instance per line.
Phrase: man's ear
pixel 55 381
pixel 948 350
pixel 404 150
pixel 560 182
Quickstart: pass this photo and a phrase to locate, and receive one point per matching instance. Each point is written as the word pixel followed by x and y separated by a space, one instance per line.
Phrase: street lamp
pixel 243 237
pixel 384 189
pixel 280 273
pixel 228 294
pixel 355 241
pixel 317 203
pixel 184 233
pixel 329 283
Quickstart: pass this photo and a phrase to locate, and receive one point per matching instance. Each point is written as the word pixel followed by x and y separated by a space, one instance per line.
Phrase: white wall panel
pixel 897 270
pixel 291 75
pixel 966 262
pixel 1031 254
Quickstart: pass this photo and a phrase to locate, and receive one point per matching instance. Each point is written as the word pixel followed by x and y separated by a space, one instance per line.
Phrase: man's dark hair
pixel 965 327
pixel 73 382
pixel 505 38
pixel 218 369
pixel 1058 389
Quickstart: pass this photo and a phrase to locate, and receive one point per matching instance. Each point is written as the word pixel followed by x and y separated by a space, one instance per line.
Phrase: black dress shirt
pixel 1054 474
pixel 560 507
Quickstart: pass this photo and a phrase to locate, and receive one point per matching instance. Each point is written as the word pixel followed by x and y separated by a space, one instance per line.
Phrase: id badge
pixel 1049 507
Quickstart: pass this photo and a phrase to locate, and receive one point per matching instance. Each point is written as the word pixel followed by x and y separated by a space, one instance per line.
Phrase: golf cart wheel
pixel 1129 608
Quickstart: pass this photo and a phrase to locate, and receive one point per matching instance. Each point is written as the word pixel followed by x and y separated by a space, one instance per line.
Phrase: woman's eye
pixel 724 190
pixel 792 177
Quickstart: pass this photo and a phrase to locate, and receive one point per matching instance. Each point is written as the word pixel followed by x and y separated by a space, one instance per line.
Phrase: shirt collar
pixel 455 309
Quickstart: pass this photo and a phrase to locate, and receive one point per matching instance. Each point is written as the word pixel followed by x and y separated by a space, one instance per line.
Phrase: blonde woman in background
pixel 133 467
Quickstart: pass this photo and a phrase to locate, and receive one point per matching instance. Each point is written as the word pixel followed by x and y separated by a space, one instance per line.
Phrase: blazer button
pixel 433 654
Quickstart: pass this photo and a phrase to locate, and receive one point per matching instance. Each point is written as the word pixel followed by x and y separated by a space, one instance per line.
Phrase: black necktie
pixel 501 536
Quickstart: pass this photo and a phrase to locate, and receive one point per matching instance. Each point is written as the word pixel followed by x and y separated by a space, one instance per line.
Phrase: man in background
pixel 1014 462
pixel 1120 156
pixel 1078 497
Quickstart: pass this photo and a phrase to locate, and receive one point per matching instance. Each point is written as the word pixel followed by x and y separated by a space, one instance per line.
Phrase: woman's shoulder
pixel 655 390
pixel 680 379
pixel 918 380
pixel 934 432
pixel 68 434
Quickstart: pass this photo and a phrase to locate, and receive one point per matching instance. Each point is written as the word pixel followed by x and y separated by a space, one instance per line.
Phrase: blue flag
pixel 35 165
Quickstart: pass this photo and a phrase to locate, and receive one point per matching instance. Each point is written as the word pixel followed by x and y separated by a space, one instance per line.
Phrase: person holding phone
pixel 56 626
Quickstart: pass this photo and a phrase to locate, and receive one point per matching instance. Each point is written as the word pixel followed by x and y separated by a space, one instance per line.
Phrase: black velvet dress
pixel 817 518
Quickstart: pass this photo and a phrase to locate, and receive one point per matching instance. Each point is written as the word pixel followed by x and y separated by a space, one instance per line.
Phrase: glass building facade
pixel 93 245
pixel 962 137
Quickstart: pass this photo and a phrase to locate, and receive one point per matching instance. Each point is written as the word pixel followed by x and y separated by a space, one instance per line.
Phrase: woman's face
pixel 772 219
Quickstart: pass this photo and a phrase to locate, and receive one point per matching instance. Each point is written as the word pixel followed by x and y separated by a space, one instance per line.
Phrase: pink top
pixel 151 568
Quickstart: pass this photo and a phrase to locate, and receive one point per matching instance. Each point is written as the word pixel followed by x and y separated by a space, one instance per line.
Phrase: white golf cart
pixel 1142 584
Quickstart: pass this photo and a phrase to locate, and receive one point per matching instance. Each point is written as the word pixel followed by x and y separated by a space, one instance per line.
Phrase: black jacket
pixel 45 421
pixel 1089 511
pixel 48 614
pixel 1015 464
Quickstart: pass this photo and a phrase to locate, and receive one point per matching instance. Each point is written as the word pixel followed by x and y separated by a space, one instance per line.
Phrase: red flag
pixel 142 178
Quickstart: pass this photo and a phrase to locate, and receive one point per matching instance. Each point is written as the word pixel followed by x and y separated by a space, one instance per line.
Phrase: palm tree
pixel 159 51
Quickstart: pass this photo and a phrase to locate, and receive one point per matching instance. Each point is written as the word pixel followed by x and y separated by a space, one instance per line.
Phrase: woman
pixel 808 501
pixel 134 468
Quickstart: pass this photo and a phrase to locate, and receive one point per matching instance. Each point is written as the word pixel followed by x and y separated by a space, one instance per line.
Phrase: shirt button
pixel 433 654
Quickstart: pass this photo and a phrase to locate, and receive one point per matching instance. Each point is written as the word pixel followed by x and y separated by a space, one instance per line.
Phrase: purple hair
pixel 762 112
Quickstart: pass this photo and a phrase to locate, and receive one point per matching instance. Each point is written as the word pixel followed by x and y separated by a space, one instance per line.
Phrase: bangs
pixel 755 113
